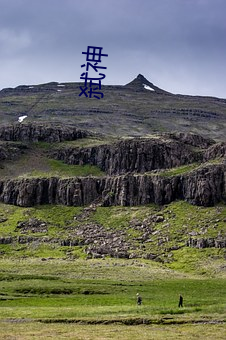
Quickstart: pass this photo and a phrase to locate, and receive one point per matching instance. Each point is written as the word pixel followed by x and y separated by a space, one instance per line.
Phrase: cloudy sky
pixel 179 45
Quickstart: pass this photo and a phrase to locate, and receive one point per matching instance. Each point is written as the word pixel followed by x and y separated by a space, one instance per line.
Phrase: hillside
pixel 138 108
pixel 122 198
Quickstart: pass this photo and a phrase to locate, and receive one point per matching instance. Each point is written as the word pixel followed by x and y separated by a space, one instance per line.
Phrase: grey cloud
pixel 179 44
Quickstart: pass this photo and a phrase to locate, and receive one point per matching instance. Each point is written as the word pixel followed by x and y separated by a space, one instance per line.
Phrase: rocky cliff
pixel 215 151
pixel 133 166
pixel 131 155
pixel 37 132
pixel 191 139
pixel 205 186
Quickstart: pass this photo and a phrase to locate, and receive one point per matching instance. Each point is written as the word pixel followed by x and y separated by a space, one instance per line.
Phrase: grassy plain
pixel 96 299
pixel 38 331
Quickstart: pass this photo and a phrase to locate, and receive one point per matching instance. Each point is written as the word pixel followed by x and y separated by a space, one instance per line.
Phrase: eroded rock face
pixel 205 186
pixel 35 133
pixel 215 151
pixel 131 155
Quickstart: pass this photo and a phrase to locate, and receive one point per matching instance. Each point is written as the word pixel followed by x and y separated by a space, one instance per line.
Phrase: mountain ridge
pixel 138 108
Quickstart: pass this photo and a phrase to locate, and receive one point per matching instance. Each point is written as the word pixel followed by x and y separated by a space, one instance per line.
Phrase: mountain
pixel 140 83
pixel 138 108
pixel 123 176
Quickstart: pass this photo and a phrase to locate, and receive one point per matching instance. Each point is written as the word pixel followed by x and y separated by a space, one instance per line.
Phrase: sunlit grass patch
pixel 61 169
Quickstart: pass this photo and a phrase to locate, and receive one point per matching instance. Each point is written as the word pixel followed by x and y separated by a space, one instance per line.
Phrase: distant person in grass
pixel 139 299
pixel 180 301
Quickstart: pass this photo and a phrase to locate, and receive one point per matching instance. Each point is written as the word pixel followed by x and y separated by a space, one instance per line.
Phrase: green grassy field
pixel 60 169
pixel 96 299
pixel 52 291
pixel 110 332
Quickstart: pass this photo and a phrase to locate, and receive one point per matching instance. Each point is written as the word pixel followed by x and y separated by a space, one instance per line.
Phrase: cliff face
pixel 35 133
pixel 216 150
pixel 125 163
pixel 206 187
pixel 131 155
pixel 202 187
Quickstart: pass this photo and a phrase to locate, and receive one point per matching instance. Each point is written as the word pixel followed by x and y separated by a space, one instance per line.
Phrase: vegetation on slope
pixel 123 111
pixel 167 243
pixel 35 162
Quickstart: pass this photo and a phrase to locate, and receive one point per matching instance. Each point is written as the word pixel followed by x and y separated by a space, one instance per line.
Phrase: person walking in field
pixel 180 301
pixel 139 299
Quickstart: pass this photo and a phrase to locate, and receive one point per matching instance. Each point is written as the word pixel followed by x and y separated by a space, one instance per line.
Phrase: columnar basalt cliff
pixel 133 166
pixel 205 186
pixel 215 151
pixel 131 155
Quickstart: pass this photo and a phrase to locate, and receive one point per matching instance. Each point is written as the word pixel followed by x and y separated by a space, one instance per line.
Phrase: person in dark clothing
pixel 180 301
pixel 139 299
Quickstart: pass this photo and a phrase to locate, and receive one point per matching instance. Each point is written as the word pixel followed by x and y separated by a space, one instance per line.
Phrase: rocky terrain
pixel 11 150
pixel 35 133
pixel 152 236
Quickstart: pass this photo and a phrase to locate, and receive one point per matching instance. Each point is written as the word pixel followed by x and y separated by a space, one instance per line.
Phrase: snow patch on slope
pixel 21 118
pixel 148 87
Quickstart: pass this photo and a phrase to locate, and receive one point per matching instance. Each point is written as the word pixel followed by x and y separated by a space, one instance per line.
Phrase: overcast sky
pixel 179 45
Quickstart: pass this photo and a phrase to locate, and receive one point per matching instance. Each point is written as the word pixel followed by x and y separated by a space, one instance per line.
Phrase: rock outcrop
pixel 11 151
pixel 218 242
pixel 191 139
pixel 37 132
pixel 215 151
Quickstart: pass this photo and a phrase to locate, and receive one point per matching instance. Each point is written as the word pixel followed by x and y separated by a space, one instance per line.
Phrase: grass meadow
pixel 96 299
pixel 49 291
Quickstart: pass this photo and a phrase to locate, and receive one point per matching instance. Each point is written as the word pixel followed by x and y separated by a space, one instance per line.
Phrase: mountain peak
pixel 140 83
pixel 141 77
